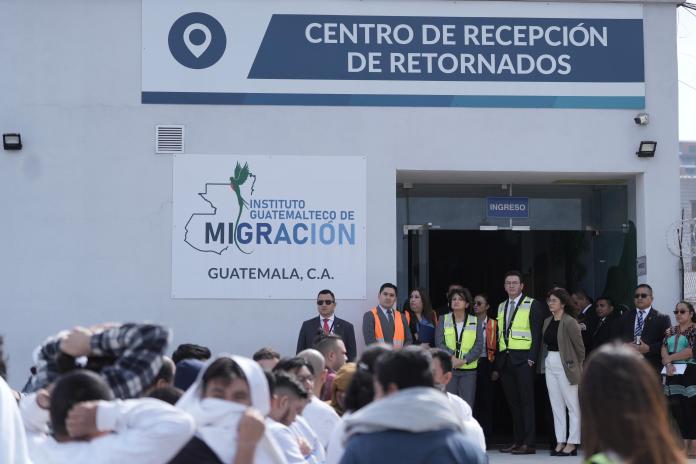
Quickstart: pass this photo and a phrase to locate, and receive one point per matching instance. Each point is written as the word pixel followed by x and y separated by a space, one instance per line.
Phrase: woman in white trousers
pixel 563 354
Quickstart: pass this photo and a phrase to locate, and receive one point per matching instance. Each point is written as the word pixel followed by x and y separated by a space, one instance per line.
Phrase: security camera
pixel 641 119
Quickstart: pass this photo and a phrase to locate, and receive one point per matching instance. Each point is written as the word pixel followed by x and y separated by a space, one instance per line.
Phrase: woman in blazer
pixel 564 353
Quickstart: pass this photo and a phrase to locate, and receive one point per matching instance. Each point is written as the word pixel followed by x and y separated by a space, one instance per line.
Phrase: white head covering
pixel 217 420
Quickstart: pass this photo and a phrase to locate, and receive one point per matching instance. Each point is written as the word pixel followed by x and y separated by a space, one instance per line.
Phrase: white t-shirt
pixel 302 429
pixel 472 429
pixel 145 431
pixel 322 418
pixel 286 441
pixel 13 441
pixel 335 449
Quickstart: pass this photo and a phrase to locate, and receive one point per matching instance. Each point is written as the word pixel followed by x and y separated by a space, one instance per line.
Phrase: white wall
pixel 86 205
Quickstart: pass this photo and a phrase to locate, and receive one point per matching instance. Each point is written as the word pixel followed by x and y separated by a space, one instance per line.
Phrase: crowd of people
pixel 621 384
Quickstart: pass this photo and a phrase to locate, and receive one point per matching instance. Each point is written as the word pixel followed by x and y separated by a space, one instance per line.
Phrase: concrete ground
pixel 496 457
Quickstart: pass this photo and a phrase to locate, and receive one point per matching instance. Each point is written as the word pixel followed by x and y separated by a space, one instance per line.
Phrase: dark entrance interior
pixel 479 259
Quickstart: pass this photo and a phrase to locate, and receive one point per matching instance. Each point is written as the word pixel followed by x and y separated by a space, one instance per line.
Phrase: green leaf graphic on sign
pixel 241 174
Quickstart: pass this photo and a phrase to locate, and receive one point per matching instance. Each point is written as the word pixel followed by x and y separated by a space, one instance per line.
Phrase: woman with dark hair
pixel 624 413
pixel 563 354
pixel 458 333
pixel 422 318
pixel 680 368
pixel 360 393
pixel 485 371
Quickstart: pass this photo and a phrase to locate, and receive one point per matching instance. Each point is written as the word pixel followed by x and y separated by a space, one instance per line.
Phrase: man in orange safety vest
pixel 384 323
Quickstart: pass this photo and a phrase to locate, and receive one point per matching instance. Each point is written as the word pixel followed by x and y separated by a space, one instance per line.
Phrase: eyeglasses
pixel 641 295
pixel 324 302
pixel 479 303
pixel 681 311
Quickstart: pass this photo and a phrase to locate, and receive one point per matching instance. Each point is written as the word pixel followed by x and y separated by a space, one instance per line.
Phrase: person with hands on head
pixel 128 356
pixel 87 425
pixel 680 385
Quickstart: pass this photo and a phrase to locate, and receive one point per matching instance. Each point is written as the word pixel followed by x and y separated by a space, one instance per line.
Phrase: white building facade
pixel 402 95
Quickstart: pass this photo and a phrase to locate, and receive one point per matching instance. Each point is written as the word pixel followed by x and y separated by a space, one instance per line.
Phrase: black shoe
pixel 572 453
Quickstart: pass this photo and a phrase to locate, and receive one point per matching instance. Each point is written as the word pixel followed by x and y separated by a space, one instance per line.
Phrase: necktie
pixel 639 324
pixel 326 326
pixel 511 309
pixel 390 318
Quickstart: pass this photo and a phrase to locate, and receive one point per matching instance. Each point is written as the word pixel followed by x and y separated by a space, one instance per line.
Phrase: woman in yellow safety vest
pixel 458 334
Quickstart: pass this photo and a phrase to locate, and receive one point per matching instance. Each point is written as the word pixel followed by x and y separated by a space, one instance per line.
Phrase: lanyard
pixel 321 325
pixel 459 335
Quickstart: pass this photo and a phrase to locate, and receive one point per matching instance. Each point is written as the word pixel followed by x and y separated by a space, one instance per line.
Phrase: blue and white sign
pixel 507 207
pixel 268 226
pixel 480 54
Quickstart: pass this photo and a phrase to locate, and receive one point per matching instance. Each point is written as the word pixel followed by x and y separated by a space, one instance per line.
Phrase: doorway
pixel 576 236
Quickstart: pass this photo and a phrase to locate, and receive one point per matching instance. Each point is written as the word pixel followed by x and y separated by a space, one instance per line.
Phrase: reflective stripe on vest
pixel 521 331
pixel 399 336
pixel 468 338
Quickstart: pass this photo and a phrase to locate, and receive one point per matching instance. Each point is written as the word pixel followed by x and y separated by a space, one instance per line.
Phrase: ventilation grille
pixel 169 139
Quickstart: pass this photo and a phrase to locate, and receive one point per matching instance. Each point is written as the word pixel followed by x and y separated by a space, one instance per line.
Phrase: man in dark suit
pixel 587 317
pixel 643 328
pixel 384 323
pixel 327 323
pixel 520 320
pixel 607 328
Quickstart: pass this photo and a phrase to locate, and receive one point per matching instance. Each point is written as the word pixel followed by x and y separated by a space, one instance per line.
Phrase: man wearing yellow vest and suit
pixel 384 323
pixel 520 319
pixel 458 334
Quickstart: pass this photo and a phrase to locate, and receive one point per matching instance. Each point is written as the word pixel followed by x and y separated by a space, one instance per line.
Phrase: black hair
pixel 644 286
pixel 444 357
pixel 167 394
pixel 514 273
pixel 327 344
pixel 407 368
pixel 361 389
pixel 289 383
pixel 223 368
pixel 609 301
pixel 166 372
pixel 388 285
pixel 466 295
pixel 190 351
pixel 270 379
pixel 324 292
pixel 583 294
pixel 689 307
pixel 492 311
pixel 73 388
pixel 266 353
pixel 292 365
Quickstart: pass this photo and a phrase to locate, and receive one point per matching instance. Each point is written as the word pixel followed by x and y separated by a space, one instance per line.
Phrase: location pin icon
pixel 201 38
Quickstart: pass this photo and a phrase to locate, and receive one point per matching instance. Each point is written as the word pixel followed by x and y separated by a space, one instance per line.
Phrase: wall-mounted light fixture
pixel 647 149
pixel 11 141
